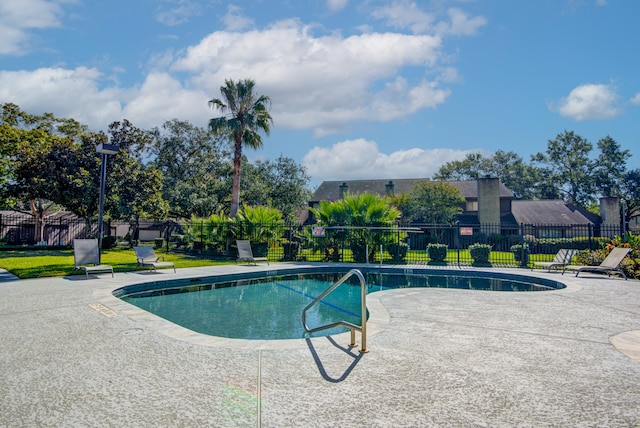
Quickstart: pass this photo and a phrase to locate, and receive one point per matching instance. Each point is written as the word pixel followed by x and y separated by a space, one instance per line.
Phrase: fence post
pixel 523 242
pixel 459 244
pixel 166 235
pixel 590 233
pixel 201 234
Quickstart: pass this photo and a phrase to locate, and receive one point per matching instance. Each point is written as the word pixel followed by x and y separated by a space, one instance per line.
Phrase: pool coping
pixel 378 320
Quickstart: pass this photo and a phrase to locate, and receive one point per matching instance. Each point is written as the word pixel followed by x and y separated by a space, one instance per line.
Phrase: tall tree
pixel 197 169
pixel 569 167
pixel 630 194
pixel 610 167
pixel 470 168
pixel 521 178
pixel 135 189
pixel 281 184
pixel 246 115
pixel 435 203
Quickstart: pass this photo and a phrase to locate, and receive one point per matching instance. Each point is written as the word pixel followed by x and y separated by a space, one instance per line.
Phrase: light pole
pixel 104 149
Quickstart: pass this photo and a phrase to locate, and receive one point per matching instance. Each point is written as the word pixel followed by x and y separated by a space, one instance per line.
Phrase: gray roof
pixel 330 190
pixel 551 211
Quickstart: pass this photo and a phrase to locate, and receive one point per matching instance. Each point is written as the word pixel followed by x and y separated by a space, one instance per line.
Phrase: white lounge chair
pixel 609 265
pixel 147 258
pixel 246 254
pixel 86 257
pixel 562 258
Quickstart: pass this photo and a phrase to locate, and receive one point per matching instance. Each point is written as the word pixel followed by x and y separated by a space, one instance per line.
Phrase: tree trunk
pixel 235 190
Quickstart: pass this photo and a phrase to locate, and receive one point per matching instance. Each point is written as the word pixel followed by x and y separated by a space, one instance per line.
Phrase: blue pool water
pixel 271 307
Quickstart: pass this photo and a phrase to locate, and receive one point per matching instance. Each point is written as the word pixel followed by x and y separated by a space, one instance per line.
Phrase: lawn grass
pixel 47 263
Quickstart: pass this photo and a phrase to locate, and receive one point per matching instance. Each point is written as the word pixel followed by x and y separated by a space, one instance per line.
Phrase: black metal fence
pixel 19 230
pixel 394 243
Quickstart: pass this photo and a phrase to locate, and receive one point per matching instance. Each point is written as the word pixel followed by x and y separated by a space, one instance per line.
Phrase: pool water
pixel 271 307
pixel 255 309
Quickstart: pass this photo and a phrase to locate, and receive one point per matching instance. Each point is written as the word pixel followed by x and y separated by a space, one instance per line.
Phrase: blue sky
pixel 359 88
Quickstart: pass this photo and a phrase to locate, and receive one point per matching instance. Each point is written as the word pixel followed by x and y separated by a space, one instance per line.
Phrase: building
pixel 491 206
pixel 491 212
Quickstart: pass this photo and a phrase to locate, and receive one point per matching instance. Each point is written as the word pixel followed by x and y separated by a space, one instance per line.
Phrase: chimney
pixel 388 188
pixel 489 201
pixel 343 189
pixel 610 214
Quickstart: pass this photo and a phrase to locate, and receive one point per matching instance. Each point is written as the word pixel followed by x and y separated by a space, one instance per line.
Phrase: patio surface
pixel 73 355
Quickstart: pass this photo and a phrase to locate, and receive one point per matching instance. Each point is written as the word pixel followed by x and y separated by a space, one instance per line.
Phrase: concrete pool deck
pixel 72 355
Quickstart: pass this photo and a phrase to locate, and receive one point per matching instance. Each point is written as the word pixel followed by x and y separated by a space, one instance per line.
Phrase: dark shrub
pixel 480 252
pixel 437 252
pixel 109 242
pixel 398 252
pixel 290 250
pixel 521 253
pixel 260 249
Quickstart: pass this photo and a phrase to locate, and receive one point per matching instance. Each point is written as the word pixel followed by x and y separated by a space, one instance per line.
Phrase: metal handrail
pixel 353 327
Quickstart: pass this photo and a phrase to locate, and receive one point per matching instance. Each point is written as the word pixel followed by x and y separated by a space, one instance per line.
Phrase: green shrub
pixel 480 252
pixel 290 250
pixel 158 243
pixel 437 252
pixel 521 253
pixel 398 252
pixel 552 245
pixel 179 240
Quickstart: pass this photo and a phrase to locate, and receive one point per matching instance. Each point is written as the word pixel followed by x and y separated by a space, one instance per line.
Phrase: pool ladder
pixel 353 327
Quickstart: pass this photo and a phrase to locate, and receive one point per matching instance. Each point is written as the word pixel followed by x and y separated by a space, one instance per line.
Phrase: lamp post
pixel 104 149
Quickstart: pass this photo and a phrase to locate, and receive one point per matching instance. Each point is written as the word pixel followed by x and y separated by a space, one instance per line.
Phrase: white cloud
pixel 67 93
pixel 322 82
pixel 404 14
pixel 235 20
pixel 162 98
pixel 461 24
pixel 18 18
pixel 361 159
pixel 589 101
pixel 636 99
pixel 177 12
pixel 325 83
pixel 337 5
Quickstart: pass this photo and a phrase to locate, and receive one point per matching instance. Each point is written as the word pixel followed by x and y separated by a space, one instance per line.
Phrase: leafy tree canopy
pixel 435 203
pixel 196 169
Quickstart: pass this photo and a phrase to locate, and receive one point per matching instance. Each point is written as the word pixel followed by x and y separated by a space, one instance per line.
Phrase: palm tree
pixel 247 114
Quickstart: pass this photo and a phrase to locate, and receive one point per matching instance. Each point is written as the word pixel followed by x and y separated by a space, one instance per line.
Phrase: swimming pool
pixel 268 305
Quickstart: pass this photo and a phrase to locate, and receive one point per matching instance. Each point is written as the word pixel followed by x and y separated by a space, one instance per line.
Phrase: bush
pixel 480 252
pixel 290 249
pixel 521 253
pixel 630 264
pixel 158 243
pixel 179 240
pixel 109 242
pixel 398 252
pixel 437 252
pixel 260 249
pixel 552 245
